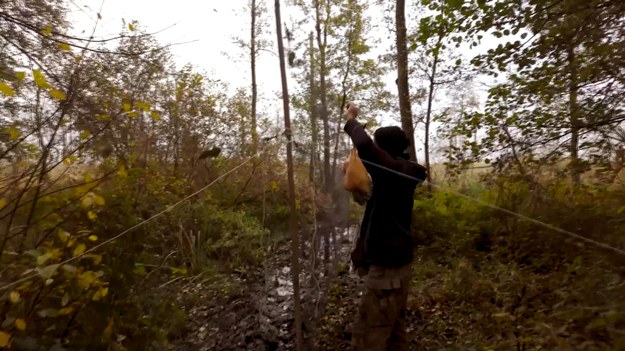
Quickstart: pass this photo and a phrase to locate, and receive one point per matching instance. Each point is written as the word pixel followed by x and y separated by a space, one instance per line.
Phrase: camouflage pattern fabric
pixel 381 325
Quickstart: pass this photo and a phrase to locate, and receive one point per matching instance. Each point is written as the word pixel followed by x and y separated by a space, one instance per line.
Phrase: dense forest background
pixel 145 205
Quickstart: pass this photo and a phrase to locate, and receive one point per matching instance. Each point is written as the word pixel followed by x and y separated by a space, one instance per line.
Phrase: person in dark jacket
pixel 384 249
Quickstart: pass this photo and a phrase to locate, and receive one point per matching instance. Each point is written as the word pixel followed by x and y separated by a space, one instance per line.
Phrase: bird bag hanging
pixel 357 180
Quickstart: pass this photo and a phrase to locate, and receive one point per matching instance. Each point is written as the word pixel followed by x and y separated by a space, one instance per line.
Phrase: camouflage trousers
pixel 381 321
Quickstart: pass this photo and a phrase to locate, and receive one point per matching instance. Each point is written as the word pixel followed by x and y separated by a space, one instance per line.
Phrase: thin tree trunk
pixel 428 118
pixel 335 261
pixel 254 86
pixel 322 43
pixel 243 136
pixel 343 103
pixel 515 154
pixel 574 116
pixel 295 247
pixel 326 246
pixel 313 112
pixel 450 157
pixel 322 39
pixel 402 77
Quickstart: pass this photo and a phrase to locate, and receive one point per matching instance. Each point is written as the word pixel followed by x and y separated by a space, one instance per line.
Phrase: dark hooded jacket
pixel 385 235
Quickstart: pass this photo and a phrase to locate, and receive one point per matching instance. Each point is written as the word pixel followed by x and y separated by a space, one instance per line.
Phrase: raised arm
pixel 367 150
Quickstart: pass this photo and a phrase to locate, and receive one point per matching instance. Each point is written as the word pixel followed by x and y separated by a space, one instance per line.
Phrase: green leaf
pixel 80 249
pixel 122 172
pixel 63 235
pixel 144 106
pixel 65 47
pixel 181 271
pixel 48 271
pixel 65 299
pixel 69 160
pixel 57 94
pixel 43 258
pixel 86 279
pixel 20 75
pixel 456 4
pixel 65 311
pixel 47 30
pixel 40 79
pixel 87 201
pixel 14 297
pixel 101 293
pixel 4 339
pixel 139 269
pixel 92 215
pixel 99 200
pixel 155 115
pixel 6 89
pixel 131 27
pixel 70 242
pixel 14 133
pixel 20 324
pixel 95 258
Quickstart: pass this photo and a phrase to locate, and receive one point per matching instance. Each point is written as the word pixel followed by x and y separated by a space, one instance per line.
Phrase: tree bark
pixel 515 154
pixel 402 77
pixel 343 102
pixel 574 116
pixel 322 40
pixel 428 119
pixel 295 247
pixel 254 86
pixel 322 37
pixel 313 112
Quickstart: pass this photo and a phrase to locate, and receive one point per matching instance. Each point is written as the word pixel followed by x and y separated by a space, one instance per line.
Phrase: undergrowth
pixel 486 280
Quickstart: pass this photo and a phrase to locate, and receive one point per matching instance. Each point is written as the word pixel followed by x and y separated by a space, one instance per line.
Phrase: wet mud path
pixel 259 315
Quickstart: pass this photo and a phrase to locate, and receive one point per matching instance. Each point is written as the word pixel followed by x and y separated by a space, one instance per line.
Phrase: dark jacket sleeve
pixel 367 150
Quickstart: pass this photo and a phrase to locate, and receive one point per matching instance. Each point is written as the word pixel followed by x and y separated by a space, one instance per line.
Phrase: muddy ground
pixel 259 315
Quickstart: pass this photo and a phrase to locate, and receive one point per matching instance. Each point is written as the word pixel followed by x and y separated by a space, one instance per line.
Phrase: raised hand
pixel 352 110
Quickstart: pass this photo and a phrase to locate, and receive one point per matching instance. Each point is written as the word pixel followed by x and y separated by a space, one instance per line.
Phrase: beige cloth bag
pixel 357 180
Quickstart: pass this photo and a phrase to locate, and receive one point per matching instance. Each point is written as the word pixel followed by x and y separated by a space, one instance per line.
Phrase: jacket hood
pixel 393 140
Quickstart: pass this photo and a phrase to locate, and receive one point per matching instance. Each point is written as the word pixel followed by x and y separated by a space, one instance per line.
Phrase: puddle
pixel 285 287
pixel 281 277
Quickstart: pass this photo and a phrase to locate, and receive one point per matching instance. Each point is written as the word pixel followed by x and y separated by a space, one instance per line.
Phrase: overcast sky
pixel 206 29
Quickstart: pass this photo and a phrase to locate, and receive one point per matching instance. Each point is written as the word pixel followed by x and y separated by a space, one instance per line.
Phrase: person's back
pixel 384 250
